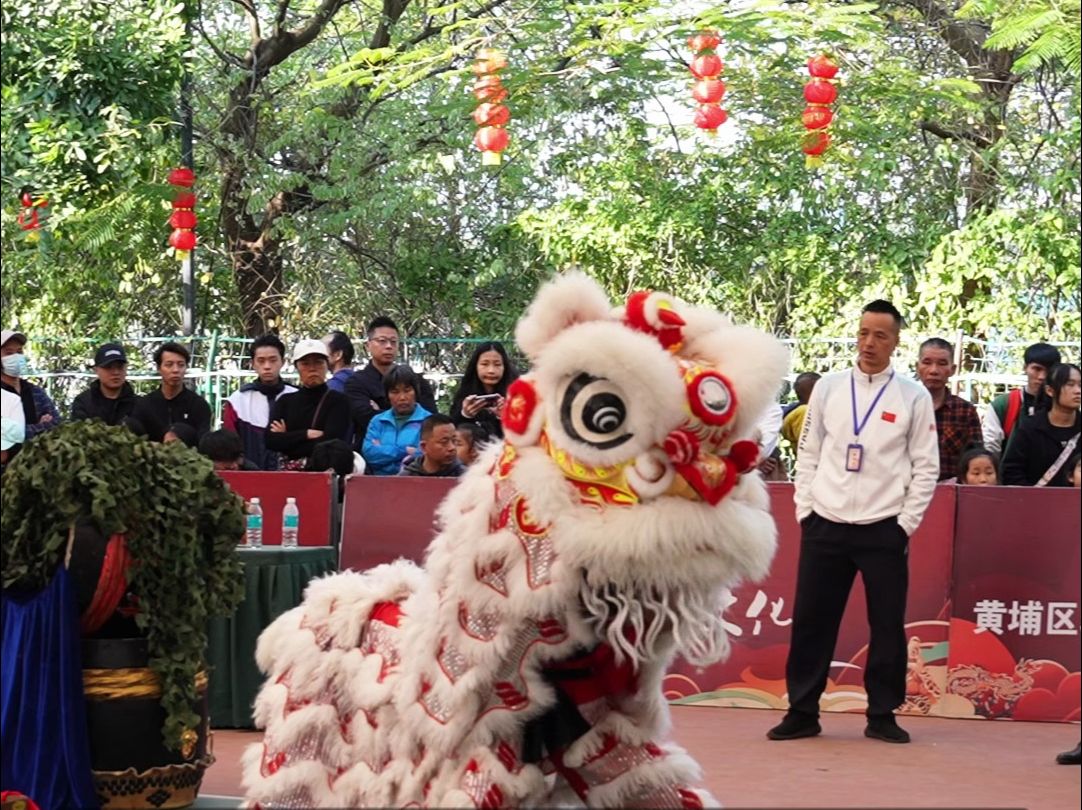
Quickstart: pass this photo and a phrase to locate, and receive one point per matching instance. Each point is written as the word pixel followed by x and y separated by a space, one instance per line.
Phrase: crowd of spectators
pixel 382 418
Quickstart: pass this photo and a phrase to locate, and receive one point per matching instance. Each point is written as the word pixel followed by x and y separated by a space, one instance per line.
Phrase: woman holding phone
pixel 480 396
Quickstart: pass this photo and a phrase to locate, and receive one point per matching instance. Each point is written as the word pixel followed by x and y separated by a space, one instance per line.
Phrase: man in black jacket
pixel 110 397
pixel 365 387
pixel 172 402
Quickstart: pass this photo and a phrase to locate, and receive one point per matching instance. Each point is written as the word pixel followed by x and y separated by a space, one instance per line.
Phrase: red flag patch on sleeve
pixel 888 416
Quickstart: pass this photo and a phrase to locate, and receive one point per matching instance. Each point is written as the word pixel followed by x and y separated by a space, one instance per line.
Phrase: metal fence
pixel 220 364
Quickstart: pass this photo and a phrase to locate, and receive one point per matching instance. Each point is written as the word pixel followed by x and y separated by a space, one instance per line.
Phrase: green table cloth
pixel 274 582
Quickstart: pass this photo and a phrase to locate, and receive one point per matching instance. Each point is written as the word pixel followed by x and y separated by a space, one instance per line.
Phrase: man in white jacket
pixel 866 470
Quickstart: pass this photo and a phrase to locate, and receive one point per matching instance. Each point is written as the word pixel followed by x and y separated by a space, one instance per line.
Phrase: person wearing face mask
pixel 38 410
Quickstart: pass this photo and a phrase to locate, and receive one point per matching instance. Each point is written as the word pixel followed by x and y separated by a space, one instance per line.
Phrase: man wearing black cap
pixel 110 397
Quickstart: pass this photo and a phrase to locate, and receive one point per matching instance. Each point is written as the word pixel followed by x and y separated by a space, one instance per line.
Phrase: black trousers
pixel 830 556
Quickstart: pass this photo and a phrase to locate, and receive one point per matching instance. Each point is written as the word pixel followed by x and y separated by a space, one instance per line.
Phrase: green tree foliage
pixel 89 90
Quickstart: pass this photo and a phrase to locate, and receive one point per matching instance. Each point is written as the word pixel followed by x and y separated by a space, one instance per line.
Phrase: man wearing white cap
pixel 39 412
pixel 314 414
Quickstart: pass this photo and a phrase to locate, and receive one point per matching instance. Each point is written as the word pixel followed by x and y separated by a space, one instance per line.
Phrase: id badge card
pixel 854 457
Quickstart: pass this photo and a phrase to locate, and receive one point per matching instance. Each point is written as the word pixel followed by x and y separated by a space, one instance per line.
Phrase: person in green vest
pixel 1008 410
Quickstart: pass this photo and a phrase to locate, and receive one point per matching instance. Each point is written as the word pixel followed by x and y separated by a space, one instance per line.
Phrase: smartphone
pixel 488 399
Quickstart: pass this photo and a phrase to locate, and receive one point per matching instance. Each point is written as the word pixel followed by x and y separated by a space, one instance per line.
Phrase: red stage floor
pixel 949 764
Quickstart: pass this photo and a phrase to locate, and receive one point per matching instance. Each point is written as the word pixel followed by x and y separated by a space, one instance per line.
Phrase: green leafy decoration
pixel 182 525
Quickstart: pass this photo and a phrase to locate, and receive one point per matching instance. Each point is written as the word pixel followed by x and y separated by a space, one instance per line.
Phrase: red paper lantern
pixel 490 89
pixel 183 219
pixel 491 139
pixel 815 143
pixel 706 66
pixel 703 41
pixel 710 117
pixel 33 208
pixel 817 117
pixel 184 199
pixel 820 91
pixel 181 176
pixel 182 239
pixel 822 67
pixel 708 91
pixel 491 115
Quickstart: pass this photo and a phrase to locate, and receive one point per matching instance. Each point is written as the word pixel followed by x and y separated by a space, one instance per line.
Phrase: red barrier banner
pixel 387 517
pixel 314 492
pixel 992 618
pixel 759 615
pixel 1014 639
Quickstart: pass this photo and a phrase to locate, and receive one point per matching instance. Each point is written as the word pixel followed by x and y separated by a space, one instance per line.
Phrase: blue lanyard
pixel 853 398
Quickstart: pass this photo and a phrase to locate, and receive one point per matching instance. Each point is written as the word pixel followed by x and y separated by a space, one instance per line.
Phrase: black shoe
pixel 794 726
pixel 886 728
pixel 1072 757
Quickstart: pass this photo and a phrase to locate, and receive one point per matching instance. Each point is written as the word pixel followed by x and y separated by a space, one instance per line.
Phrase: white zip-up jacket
pixel 900 458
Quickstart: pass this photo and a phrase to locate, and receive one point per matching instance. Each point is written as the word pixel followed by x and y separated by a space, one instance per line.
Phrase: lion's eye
pixel 593 411
pixel 711 398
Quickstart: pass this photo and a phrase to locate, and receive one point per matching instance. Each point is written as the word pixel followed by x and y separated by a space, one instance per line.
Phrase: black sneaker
pixel 1072 757
pixel 886 729
pixel 794 726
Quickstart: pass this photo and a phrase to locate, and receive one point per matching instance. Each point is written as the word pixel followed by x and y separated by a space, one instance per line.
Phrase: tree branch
pixel 970 136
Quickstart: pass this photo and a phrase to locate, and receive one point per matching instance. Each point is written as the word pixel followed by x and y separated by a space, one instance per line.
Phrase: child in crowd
pixel 977 467
pixel 438 456
pixel 469 437
pixel 225 449
pixel 1074 468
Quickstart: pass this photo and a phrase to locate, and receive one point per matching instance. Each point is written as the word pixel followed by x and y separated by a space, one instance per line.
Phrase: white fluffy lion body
pixel 577 539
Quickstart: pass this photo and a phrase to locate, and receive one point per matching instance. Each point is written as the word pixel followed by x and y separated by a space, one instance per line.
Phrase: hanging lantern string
pixel 819 93
pixel 183 219
pixel 708 91
pixel 490 115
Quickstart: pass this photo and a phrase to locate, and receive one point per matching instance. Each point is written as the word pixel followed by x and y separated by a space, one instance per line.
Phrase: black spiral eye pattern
pixel 593 412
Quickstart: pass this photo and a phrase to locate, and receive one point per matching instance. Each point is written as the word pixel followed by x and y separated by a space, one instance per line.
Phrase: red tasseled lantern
pixel 182 239
pixel 184 199
pixel 491 141
pixel 703 41
pixel 491 115
pixel 710 117
pixel 820 91
pixel 817 117
pixel 708 91
pixel 822 67
pixel 815 143
pixel 183 219
pixel 181 176
pixel 29 218
pixel 490 89
pixel 706 66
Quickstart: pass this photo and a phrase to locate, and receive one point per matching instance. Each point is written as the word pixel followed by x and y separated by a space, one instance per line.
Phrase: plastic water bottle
pixel 291 522
pixel 254 535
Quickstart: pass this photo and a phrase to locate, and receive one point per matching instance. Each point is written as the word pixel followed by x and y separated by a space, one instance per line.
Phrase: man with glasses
pixel 365 387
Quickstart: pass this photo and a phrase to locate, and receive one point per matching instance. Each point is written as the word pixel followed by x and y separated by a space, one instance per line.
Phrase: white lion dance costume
pixel 522 666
